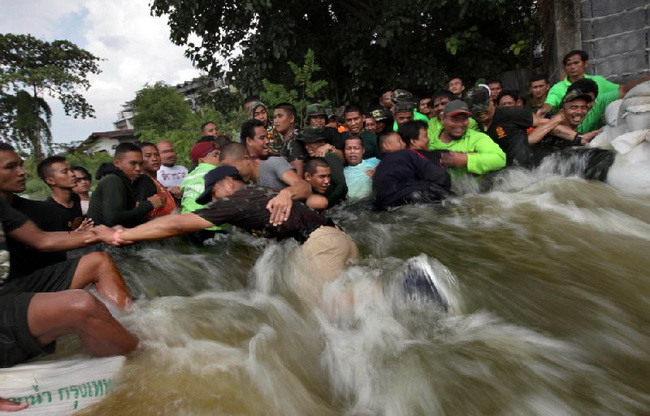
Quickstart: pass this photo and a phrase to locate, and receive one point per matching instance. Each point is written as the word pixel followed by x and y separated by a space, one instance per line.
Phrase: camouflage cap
pixel 380 114
pixel 311 135
pixel 456 107
pixel 400 96
pixel 315 110
pixel 253 106
pixel 404 107
pixel 576 94
pixel 478 99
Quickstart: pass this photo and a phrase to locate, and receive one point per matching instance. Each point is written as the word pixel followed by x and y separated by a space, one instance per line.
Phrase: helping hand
pixel 280 207
pixel 86 225
pixel 454 159
pixel 156 201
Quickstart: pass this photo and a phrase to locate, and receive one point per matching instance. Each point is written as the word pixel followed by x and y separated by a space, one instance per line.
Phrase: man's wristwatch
pixel 578 139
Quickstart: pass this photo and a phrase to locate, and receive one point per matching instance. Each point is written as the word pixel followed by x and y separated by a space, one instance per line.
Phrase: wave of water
pixel 546 278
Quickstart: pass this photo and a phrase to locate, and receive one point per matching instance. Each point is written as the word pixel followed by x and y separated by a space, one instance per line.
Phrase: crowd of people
pixel 274 181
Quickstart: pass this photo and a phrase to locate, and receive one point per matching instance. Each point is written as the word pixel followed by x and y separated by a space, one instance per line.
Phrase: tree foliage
pixel 365 45
pixel 29 66
pixel 163 113
pixel 24 117
pixel 304 90
pixel 160 108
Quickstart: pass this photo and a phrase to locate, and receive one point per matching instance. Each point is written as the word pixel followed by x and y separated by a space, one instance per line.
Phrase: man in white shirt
pixel 170 175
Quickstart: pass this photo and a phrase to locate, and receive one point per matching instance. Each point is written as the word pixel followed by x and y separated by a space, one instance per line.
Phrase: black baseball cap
pixel 214 176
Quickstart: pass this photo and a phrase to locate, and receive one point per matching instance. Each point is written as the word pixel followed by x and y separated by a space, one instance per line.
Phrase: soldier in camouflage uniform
pixel 284 120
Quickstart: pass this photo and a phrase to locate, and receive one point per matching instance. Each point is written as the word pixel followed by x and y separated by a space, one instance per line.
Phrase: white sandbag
pixel 602 141
pixel 611 113
pixel 643 89
pixel 637 117
pixel 59 387
pixel 625 143
pixel 631 172
pixel 639 95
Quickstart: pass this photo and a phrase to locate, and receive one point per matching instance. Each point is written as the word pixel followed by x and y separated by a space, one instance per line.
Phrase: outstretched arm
pixel 32 236
pixel 158 229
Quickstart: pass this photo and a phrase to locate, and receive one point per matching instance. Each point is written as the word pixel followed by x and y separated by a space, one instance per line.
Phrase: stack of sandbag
pixel 628 134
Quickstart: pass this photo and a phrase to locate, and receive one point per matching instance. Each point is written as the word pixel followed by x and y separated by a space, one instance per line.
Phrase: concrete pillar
pixel 567 33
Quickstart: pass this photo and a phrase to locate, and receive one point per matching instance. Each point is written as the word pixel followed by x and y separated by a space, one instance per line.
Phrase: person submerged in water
pixel 261 212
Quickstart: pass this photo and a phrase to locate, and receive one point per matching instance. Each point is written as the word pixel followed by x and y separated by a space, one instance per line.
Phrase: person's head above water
pixel 220 182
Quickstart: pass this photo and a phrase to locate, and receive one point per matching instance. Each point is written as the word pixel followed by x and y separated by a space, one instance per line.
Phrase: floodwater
pixel 547 280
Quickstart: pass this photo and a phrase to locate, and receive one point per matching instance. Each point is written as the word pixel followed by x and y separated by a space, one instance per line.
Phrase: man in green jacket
pixel 114 201
pixel 439 100
pixel 206 154
pixel 470 151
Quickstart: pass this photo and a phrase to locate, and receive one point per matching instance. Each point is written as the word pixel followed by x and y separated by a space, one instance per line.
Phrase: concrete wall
pixel 615 34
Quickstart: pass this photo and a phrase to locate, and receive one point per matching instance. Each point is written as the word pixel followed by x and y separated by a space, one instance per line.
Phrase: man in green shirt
pixel 595 117
pixel 206 155
pixel 575 63
pixel 440 100
pixel 469 151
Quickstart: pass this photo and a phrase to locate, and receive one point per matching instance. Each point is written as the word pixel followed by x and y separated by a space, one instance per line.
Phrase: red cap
pixel 201 150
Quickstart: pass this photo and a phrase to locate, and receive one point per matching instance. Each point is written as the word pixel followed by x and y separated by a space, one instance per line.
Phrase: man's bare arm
pixel 542 130
pixel 32 236
pixel 299 188
pixel 158 229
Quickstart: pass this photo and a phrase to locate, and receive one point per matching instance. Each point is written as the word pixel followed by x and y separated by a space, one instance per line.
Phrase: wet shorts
pixel 17 344
pixel 54 278
pixel 16 341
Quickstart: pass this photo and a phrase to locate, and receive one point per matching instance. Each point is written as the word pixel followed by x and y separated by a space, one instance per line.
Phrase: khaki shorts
pixel 328 251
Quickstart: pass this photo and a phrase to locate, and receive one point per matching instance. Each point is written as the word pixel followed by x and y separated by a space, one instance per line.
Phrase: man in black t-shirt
pixel 251 208
pixel 56 172
pixel 31 266
pixel 507 126
pixel 37 309
pixel 47 216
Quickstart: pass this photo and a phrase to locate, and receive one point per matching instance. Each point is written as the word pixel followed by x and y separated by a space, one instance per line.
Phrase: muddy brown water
pixel 547 277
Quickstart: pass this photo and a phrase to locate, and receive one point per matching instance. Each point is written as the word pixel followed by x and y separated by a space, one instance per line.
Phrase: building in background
pixel 125 117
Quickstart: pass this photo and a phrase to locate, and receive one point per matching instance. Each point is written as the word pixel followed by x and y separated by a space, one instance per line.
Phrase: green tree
pixel 163 113
pixel 58 69
pixel 23 118
pixel 366 45
pixel 160 108
pixel 305 91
